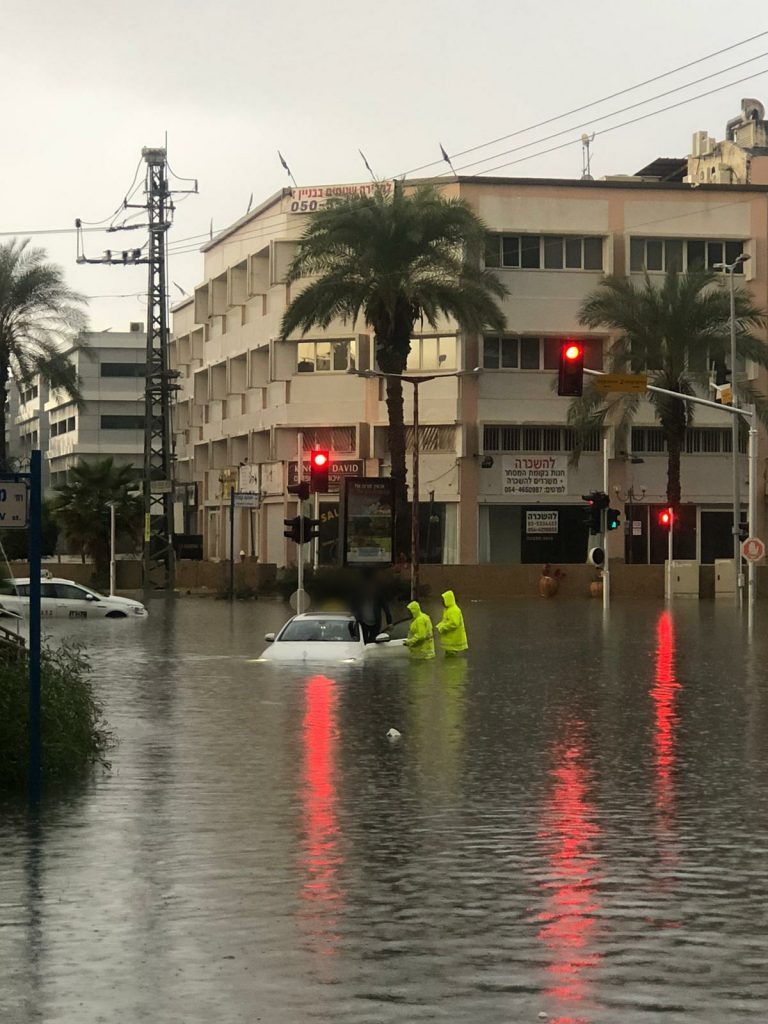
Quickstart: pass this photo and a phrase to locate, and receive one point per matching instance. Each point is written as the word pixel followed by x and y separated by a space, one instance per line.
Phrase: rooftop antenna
pixel 287 168
pixel 586 157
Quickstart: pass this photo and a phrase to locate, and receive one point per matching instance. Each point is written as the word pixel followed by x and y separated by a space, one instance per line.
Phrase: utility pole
pixel 159 386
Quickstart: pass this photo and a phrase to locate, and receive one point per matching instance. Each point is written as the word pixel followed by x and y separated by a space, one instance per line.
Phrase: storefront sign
pixel 541 523
pixel 340 468
pixel 310 198
pixel 369 519
pixel 528 475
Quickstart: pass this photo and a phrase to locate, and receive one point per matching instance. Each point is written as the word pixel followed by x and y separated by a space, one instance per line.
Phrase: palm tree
pixel 673 332
pixel 37 312
pixel 395 260
pixel 81 508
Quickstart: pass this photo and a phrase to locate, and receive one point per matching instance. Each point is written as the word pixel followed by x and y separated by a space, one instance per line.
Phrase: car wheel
pixel 115 615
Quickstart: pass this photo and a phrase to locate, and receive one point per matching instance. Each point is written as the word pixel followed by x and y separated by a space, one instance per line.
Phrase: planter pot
pixel 548 586
pixel 596 588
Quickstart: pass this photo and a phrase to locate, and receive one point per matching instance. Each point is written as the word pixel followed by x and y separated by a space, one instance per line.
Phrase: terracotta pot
pixel 596 588
pixel 548 586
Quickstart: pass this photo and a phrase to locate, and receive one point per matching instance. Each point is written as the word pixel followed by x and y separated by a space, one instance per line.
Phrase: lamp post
pixel 415 381
pixel 730 269
pixel 112 562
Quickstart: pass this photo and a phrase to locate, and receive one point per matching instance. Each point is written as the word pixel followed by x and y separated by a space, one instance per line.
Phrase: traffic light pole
pixel 300 547
pixel 604 527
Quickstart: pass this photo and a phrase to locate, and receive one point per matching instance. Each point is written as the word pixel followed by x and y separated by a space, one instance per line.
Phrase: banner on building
pixel 538 524
pixel 368 521
pixel 310 198
pixel 339 469
pixel 535 475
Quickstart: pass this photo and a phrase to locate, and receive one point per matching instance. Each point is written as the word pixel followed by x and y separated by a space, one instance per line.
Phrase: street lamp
pixel 415 381
pixel 730 269
pixel 112 505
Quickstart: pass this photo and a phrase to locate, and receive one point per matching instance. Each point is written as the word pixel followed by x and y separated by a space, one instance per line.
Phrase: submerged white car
pixel 63 599
pixel 334 637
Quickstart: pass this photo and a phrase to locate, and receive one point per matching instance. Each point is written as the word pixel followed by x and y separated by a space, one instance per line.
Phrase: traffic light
pixel 722 373
pixel 311 529
pixel 319 464
pixel 743 530
pixel 294 529
pixel 597 501
pixel 666 518
pixel 570 376
pixel 612 519
pixel 301 490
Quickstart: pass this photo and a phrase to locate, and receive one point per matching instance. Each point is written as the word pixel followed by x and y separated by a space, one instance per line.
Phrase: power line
pixel 593 103
pixel 614 113
pixel 624 124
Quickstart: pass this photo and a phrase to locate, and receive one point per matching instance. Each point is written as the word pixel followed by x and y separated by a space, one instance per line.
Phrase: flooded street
pixel 573 823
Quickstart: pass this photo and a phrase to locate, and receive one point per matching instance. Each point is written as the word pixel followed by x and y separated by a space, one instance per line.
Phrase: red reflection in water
pixel 321 858
pixel 664 695
pixel 569 920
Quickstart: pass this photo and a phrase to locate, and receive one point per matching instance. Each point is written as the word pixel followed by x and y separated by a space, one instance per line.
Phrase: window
pixel 535 439
pixel 332 439
pixel 547 252
pixel 26 394
pixel 122 370
pixel 68 592
pixel 698 441
pixel 122 422
pixel 522 353
pixel 433 353
pixel 335 356
pixel 664 254
pixel 63 426
pixel 432 439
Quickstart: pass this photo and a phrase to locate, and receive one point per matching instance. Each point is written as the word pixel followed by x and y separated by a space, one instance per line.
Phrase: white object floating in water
pixel 393 734
pixel 543 1016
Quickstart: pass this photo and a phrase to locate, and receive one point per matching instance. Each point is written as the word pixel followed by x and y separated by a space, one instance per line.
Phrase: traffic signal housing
pixel 301 490
pixel 570 374
pixel 319 465
pixel 293 531
pixel 311 528
pixel 597 501
pixel 612 519
pixel 666 518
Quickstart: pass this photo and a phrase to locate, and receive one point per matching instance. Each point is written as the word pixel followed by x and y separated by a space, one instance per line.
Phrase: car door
pixel 49 602
pixel 72 602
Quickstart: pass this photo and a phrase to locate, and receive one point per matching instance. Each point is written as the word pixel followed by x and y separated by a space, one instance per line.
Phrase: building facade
pixel 497 480
pixel 110 422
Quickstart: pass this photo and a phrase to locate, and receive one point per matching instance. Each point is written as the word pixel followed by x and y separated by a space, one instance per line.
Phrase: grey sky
pixel 88 84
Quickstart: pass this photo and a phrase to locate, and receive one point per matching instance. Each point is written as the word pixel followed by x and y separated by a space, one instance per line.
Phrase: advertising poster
pixel 369 519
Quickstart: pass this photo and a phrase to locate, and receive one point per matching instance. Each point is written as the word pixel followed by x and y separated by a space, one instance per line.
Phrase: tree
pixel 81 508
pixel 15 543
pixel 37 312
pixel 673 332
pixel 394 260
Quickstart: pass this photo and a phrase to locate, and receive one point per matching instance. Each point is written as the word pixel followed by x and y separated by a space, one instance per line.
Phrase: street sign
pixel 247 499
pixel 161 487
pixel 13 506
pixel 753 549
pixel 631 383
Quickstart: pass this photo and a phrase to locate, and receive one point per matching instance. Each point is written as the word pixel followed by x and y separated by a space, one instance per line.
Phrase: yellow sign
pixel 147 528
pixel 724 394
pixel 631 383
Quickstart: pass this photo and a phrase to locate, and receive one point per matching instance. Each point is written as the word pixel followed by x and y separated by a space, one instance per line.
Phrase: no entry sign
pixel 753 549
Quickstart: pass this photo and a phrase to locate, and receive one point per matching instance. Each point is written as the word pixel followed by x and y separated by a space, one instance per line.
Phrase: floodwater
pixel 573 824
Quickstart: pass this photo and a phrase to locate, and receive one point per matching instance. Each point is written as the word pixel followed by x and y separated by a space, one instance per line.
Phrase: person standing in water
pixel 420 640
pixel 453 635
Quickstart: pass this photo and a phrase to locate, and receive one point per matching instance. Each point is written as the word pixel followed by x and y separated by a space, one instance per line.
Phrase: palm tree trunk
pixel 4 402
pixel 397 458
pixel 674 447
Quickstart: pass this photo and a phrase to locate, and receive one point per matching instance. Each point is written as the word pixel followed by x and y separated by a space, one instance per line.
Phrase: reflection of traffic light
pixel 612 518
pixel 666 518
pixel 597 501
pixel 319 464
pixel 570 375
pixel 301 490
pixel 294 529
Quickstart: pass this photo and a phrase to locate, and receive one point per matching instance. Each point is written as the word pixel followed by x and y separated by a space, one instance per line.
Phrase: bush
pixel 74 734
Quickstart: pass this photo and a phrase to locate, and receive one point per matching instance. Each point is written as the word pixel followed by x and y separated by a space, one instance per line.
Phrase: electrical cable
pixel 120 207
pixel 614 113
pixel 593 103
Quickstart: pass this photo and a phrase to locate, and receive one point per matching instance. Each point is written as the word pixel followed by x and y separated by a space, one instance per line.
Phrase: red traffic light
pixel 319 466
pixel 572 351
pixel 665 518
pixel 319 459
pixel 570 373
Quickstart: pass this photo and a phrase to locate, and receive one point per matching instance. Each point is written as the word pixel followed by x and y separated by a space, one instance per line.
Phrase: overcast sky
pixel 87 84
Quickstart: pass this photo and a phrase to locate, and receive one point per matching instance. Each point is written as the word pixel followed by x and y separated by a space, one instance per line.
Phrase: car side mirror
pixel 383 638
pixel 269 637
pixel 89 597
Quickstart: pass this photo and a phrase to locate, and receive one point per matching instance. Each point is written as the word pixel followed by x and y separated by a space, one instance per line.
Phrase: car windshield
pixel 321 630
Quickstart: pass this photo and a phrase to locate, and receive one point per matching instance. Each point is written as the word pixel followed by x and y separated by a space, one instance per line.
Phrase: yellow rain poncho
pixel 420 640
pixel 453 636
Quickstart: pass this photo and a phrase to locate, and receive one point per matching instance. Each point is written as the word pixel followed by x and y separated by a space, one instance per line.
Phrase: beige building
pixel 495 475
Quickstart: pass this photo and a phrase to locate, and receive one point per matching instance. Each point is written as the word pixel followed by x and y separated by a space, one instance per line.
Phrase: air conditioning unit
pixel 702 144
pixel 136 327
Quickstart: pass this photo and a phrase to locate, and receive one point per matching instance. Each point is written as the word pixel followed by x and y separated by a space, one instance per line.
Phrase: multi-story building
pixel 496 446
pixel 111 419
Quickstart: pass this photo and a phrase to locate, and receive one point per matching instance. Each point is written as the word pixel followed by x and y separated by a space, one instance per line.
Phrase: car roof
pixel 324 615
pixel 47 579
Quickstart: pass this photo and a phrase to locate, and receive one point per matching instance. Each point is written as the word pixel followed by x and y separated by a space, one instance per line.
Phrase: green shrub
pixel 74 733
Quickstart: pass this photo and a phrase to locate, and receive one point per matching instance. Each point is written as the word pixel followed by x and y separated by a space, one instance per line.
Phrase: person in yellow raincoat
pixel 420 640
pixel 453 636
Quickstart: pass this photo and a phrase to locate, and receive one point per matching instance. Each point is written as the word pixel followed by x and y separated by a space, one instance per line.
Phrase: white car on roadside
pixel 330 637
pixel 63 599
